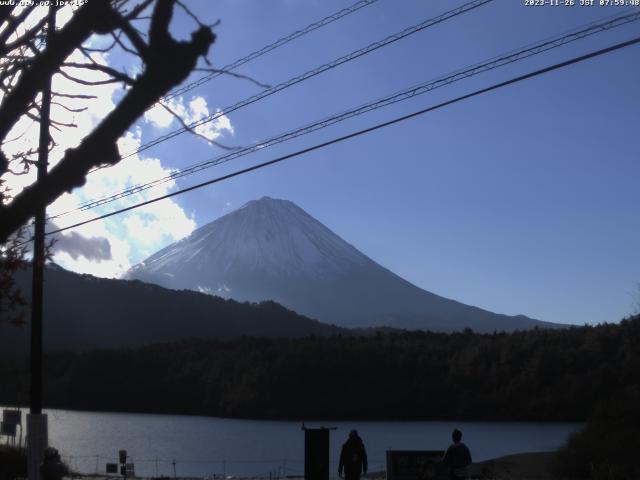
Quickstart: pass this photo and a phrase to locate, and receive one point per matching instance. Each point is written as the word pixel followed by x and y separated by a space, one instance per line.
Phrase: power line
pixel 314 72
pixel 493 63
pixel 268 48
pixel 363 131
pixel 408 93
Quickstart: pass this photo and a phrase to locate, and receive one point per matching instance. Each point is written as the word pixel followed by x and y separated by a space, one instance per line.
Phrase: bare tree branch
pixel 120 43
pixel 5 13
pixel 190 13
pixel 117 76
pixel 86 54
pixel 194 16
pixel 235 75
pixel 138 10
pixel 69 109
pixel 74 33
pixel 132 34
pixel 15 22
pixel 57 123
pixel 102 50
pixel 192 130
pixel 24 39
pixel 86 82
pixel 70 95
pixel 168 63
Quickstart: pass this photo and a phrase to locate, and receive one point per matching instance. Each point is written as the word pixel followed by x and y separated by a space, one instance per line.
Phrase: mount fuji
pixel 273 250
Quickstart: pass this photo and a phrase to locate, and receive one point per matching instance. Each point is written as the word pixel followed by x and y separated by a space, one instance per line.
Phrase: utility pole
pixel 37 432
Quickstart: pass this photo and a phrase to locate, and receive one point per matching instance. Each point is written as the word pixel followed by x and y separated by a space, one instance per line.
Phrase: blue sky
pixel 521 201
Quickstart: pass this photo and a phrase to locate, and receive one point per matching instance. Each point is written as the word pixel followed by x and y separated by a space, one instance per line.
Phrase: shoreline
pixel 311 421
pixel 519 466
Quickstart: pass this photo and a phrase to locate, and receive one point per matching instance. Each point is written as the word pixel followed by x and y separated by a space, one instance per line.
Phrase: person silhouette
pixel 457 457
pixel 353 457
pixel 52 467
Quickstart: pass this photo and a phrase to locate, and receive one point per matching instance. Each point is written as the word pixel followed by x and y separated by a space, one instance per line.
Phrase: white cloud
pixel 92 111
pixel 25 132
pixel 112 267
pixel 161 118
pixel 106 247
pixel 142 230
pixel 194 111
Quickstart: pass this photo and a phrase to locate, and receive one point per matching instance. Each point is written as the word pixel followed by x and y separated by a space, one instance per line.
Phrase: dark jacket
pixel 457 457
pixel 353 457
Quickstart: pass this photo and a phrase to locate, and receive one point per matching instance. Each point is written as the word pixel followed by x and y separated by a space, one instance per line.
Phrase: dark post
pixel 316 454
pixel 38 243
pixel 37 423
pixel 122 457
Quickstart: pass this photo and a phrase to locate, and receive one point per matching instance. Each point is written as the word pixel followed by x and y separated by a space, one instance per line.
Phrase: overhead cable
pixel 272 46
pixel 408 93
pixel 358 133
pixel 314 72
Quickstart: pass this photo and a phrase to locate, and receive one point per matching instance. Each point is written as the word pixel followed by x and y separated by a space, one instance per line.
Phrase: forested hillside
pixel 533 375
pixel 83 312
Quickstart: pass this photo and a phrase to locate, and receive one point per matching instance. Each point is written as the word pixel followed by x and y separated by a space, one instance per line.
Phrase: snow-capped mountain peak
pixel 271 249
pixel 270 234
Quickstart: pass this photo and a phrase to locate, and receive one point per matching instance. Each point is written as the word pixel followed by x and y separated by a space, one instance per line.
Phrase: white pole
pixel 38 439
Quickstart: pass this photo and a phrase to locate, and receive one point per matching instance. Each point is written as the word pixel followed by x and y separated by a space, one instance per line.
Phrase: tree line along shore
pixel 538 375
pixel 587 373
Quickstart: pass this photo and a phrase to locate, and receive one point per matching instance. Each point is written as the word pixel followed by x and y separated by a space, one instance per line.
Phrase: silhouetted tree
pixel 607 447
pixel 11 299
pixel 27 63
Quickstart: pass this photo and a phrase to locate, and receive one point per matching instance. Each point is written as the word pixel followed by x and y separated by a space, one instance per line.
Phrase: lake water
pixel 206 446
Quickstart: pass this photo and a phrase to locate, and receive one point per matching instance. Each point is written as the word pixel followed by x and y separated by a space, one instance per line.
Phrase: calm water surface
pixel 204 446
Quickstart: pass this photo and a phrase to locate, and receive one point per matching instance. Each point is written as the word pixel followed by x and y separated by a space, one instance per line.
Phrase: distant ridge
pixel 271 249
pixel 83 312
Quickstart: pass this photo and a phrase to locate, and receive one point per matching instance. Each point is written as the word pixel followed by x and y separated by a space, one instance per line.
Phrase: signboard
pixel 12 416
pixel 130 470
pixel 416 465
pixel 8 429
pixel 112 468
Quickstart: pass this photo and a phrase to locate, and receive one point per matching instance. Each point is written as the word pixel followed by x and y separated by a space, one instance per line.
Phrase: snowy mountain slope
pixel 272 249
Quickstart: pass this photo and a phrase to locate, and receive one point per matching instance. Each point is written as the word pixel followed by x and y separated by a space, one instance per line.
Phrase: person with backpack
pixel 353 457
